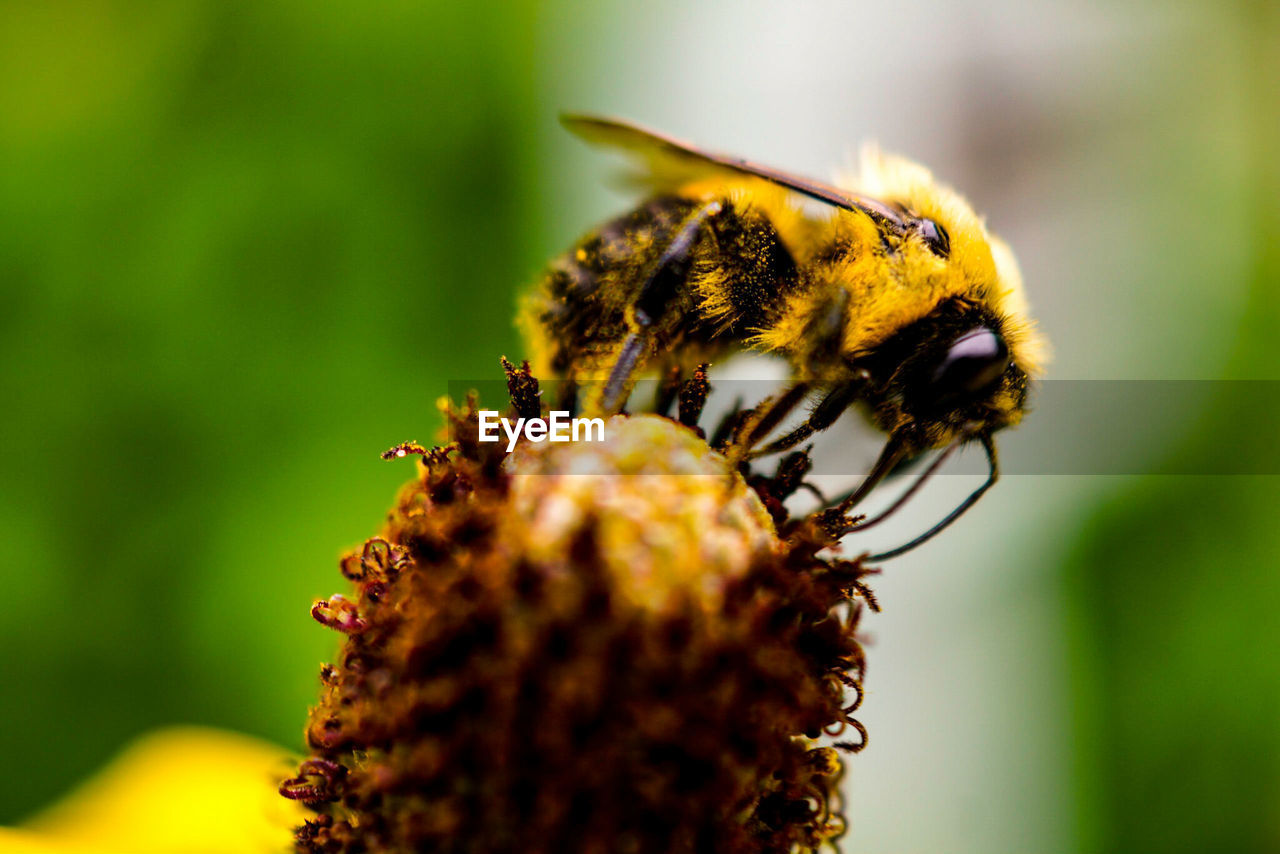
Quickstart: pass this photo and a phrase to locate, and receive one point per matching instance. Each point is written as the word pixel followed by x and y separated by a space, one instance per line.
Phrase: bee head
pixel 946 374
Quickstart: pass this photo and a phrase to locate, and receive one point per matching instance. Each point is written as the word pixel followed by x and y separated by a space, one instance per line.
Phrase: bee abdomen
pixel 732 282
pixel 582 301
pixel 749 275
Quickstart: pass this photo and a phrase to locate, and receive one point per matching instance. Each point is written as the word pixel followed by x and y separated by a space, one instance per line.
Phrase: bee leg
pixel 727 425
pixel 772 411
pixel 633 347
pixel 567 396
pixel 823 416
pixel 693 398
pixel 992 475
pixel 814 491
pixel 757 423
pixel 668 389
pixel 902 499
pixel 890 456
pixel 663 283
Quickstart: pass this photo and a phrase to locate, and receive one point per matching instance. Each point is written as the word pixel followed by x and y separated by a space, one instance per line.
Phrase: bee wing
pixel 667 163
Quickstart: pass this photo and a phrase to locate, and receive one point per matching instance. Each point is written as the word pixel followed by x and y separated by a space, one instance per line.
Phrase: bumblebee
pixel 888 295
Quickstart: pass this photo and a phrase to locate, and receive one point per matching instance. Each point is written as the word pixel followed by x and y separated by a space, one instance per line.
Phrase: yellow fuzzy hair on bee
pixel 889 292
pixel 981 267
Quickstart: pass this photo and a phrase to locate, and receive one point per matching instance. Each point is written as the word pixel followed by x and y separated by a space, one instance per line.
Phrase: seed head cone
pixel 618 646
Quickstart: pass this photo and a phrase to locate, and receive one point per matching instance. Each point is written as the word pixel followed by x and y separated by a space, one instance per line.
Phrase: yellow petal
pixel 177 791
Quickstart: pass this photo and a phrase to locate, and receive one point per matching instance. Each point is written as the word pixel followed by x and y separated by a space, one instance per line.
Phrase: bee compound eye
pixel 973 364
pixel 935 236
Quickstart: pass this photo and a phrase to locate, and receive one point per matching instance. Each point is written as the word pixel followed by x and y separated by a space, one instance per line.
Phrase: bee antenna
pixel 993 474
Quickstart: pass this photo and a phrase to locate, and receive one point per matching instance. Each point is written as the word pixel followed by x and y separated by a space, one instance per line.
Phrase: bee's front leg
pixel 770 413
pixel 823 416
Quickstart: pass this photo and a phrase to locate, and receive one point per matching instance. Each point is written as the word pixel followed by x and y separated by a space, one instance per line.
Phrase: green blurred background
pixel 244 246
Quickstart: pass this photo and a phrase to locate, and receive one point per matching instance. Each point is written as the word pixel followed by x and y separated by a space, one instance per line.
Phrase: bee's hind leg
pixel 616 387
pixel 663 283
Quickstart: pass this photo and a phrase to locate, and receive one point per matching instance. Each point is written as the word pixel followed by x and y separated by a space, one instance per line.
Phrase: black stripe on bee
pixel 589 289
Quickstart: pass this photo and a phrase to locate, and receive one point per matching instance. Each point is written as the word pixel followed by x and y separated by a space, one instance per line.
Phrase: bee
pixel 884 292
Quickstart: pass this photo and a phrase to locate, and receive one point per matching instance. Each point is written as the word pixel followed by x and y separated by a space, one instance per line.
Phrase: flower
pixel 614 646
pixel 622 646
pixel 189 790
